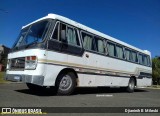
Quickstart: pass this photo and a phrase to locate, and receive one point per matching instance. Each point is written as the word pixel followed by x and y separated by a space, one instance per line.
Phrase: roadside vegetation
pixel 156 71
pixel 2 77
pixel 3 62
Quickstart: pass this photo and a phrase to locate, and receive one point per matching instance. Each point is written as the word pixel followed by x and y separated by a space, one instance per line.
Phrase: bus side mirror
pixel 63 36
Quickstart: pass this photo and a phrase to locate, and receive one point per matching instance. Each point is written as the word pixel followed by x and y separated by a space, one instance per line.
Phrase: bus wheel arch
pixel 66 81
pixel 131 84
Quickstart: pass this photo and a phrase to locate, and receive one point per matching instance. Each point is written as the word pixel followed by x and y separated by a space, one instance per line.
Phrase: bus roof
pixel 81 26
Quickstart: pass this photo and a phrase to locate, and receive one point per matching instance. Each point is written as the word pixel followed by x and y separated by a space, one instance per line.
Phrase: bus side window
pixel 140 57
pixel 119 51
pixel 99 45
pixel 134 56
pixel 55 35
pixel 111 49
pixel 63 33
pixel 88 42
pixel 145 60
pixel 128 54
pixel 72 36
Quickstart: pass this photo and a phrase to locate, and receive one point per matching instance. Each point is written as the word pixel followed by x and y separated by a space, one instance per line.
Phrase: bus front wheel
pixel 66 83
pixel 131 85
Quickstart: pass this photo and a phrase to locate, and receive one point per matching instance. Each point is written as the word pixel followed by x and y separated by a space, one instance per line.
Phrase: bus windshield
pixel 32 34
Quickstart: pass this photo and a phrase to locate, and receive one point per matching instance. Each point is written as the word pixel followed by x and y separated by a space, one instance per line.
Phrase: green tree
pixel 156 70
pixel 3 60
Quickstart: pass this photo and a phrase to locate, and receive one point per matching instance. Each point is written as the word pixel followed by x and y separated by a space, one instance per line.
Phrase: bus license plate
pixel 17 77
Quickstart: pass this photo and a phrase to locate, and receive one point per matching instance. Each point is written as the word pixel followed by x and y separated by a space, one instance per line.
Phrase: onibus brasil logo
pixel 22 111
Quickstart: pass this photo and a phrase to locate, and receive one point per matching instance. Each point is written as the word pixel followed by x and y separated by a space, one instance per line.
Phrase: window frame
pixel 106 48
pixel 122 51
pixel 93 41
pixel 103 40
pixel 149 60
pixel 57 22
pixel 60 30
pixel 59 36
pixel 129 54
pixel 145 58
pixel 142 58
pixel 115 56
pixel 76 30
pixel 136 56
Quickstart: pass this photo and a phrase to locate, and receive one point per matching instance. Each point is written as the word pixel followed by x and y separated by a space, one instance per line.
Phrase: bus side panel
pixel 119 81
pixel 51 74
pixel 55 62
pixel 85 80
pixel 144 82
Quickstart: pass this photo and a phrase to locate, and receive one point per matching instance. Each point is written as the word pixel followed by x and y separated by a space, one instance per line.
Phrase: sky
pixel 136 22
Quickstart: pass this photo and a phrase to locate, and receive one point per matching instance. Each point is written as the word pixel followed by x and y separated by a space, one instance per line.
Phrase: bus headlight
pixel 30 62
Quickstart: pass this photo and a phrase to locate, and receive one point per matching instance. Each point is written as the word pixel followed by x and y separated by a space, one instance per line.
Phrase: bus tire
pixel 131 85
pixel 66 83
pixel 33 87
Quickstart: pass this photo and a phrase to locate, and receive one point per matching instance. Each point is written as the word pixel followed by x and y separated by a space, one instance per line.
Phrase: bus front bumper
pixel 34 79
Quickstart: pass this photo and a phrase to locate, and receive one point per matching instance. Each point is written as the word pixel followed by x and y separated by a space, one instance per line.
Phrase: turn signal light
pixel 31 62
pixel 31 58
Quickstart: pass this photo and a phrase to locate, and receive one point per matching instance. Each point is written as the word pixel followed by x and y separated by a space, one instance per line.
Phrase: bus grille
pixel 17 63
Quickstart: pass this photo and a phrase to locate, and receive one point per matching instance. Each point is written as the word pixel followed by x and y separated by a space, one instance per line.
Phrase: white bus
pixel 59 52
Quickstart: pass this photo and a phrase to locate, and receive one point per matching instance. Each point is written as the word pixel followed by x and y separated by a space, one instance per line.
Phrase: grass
pixel 156 86
pixel 2 77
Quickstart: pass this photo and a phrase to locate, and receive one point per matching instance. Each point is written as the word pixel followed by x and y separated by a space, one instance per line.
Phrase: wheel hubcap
pixel 65 83
pixel 131 85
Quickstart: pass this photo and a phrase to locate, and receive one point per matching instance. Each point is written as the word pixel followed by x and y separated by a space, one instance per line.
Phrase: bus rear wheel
pixel 131 85
pixel 66 84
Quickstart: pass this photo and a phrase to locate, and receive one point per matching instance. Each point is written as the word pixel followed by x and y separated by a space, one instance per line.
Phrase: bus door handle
pixel 87 55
